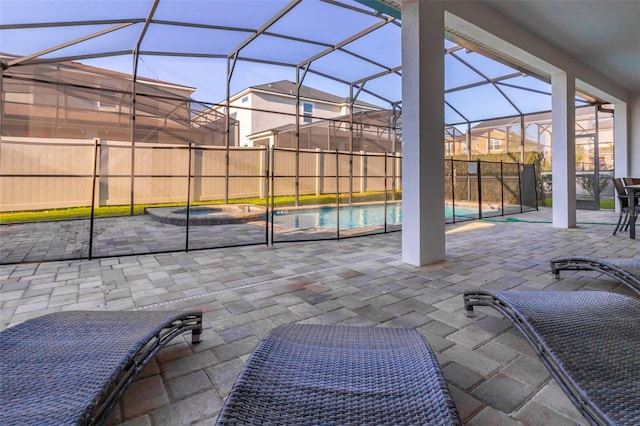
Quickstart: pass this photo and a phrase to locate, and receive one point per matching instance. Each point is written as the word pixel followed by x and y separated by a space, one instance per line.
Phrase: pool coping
pixel 222 214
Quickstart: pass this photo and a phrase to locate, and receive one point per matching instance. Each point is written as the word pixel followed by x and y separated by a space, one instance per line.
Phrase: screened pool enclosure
pixel 161 125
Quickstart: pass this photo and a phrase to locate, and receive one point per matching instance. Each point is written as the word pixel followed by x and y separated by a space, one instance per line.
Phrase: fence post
pixel 385 192
pixel 272 191
pixel 96 144
pixel 361 171
pixel 186 242
pixel 453 190
pixel 319 170
pixel 502 188
pixel 393 180
pixel 103 178
pixel 260 174
pixel 479 179
pixel 535 184
pixel 520 187
pixel 338 194
pixel 351 175
pixel 265 155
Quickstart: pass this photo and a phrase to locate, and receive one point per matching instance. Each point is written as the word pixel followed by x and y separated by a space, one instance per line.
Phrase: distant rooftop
pixel 287 87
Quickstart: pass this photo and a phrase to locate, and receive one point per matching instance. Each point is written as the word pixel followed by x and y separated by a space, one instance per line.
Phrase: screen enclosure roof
pixel 219 48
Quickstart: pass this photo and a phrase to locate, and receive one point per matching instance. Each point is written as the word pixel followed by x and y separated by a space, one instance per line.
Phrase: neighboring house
pixel 594 138
pixel 500 136
pixel 267 116
pixel 503 136
pixel 76 101
pixel 376 131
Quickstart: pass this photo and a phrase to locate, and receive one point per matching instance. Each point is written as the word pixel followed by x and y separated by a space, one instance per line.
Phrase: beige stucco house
pixel 266 116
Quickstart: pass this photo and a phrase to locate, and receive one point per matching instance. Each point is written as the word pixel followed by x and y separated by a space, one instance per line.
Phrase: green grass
pixel 138 209
pixel 605 203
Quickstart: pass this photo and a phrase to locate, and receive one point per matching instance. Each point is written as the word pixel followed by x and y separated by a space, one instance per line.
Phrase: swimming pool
pixel 351 217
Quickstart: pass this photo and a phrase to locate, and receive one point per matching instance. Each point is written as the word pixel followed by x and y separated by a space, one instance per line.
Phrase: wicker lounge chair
pixel 627 271
pixel 588 340
pixel 337 375
pixel 68 368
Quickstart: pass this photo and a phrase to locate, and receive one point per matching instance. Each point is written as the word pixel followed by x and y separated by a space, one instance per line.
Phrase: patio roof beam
pixel 362 58
pixel 185 55
pixel 275 18
pixel 265 61
pixel 515 86
pixel 71 24
pixel 298 39
pixel 67 44
pixel 380 74
pixel 456 111
pixel 128 52
pixel 491 81
pixel 482 83
pixel 452 49
pixel 76 57
pixel 339 80
pixel 381 7
pixel 362 89
pixel 375 95
pixel 484 52
pixel 528 72
pixel 514 116
pixel 352 101
pixel 147 22
pixel 305 70
pixel 239 29
pixel 353 8
pixel 203 26
pixel 346 41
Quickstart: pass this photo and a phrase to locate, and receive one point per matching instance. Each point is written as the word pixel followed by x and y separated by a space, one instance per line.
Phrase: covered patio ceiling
pixel 221 47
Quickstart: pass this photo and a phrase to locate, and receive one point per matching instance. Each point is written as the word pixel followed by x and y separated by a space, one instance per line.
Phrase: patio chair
pixel 625 205
pixel 626 271
pixel 306 374
pixel 588 340
pixel 70 367
pixel 631 181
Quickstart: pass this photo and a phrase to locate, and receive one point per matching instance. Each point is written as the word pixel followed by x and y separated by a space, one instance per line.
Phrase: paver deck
pixel 494 377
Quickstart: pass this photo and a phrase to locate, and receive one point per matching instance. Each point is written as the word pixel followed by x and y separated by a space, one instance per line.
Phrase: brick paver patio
pixel 494 376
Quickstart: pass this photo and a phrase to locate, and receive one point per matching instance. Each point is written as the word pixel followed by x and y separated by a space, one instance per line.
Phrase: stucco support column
pixel 423 238
pixel 621 140
pixel 563 150
pixel 633 141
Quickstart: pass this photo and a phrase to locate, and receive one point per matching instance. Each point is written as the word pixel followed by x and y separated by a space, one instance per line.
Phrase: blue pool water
pixel 350 217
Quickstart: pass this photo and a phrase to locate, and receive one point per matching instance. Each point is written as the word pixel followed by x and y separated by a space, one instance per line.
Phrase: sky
pixel 210 33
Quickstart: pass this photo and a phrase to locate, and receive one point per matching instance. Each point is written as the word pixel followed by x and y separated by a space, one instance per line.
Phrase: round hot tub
pixel 220 214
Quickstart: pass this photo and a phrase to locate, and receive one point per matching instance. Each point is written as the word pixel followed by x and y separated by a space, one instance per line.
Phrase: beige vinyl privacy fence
pixel 40 174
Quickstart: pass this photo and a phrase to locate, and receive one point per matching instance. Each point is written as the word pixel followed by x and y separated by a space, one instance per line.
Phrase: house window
pixel 108 96
pixel 495 144
pixel 245 99
pixel 448 148
pixel 19 98
pixel 307 112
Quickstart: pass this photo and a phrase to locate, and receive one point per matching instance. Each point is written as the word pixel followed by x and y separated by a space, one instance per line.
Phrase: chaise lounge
pixel 70 367
pixel 307 374
pixel 588 340
pixel 626 271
